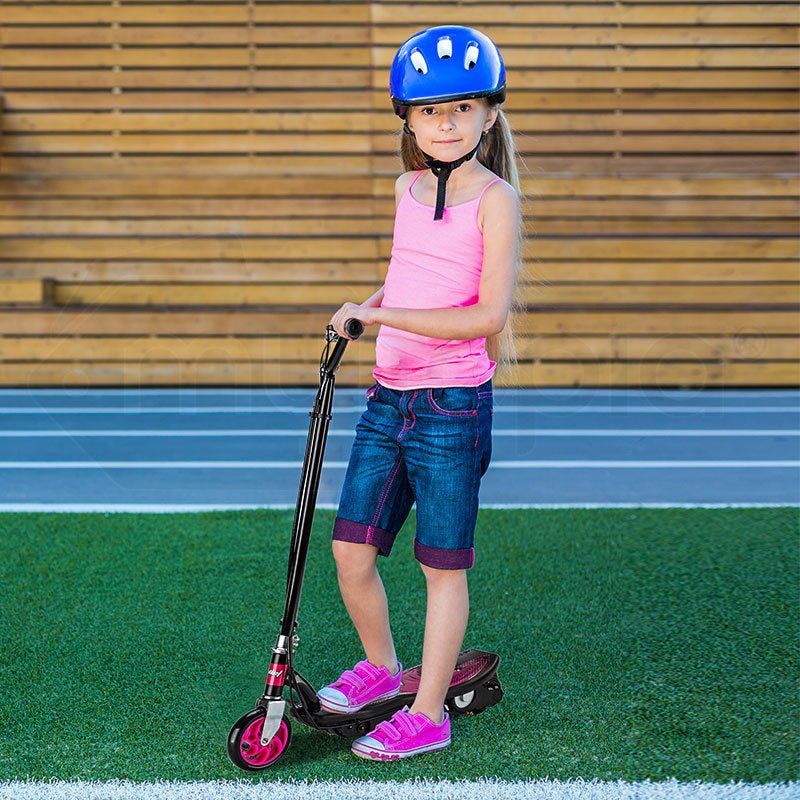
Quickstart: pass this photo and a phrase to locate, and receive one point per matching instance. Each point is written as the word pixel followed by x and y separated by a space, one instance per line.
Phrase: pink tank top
pixel 434 264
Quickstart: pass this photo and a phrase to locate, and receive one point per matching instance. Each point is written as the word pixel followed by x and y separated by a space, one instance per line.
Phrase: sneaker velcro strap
pixel 354 678
pixel 404 720
pixel 367 670
pixel 388 730
pixel 351 680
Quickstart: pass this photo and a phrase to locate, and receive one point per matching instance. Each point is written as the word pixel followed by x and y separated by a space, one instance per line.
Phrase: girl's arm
pixel 374 300
pixel 488 316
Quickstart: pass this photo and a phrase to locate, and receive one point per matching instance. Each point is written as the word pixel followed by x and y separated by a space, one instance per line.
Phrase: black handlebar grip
pixel 354 327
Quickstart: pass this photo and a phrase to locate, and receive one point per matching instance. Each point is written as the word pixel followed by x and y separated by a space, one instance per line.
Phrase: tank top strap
pixel 494 180
pixel 416 177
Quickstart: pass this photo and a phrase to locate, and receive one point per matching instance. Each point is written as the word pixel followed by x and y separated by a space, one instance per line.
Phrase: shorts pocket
pixel 372 391
pixel 454 401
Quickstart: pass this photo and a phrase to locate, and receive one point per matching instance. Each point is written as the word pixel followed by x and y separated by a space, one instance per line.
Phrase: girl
pixel 425 435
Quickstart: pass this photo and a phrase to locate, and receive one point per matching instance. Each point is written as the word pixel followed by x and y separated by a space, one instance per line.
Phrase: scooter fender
pixel 272 722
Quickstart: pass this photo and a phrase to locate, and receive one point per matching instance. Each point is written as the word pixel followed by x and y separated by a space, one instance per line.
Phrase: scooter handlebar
pixel 354 327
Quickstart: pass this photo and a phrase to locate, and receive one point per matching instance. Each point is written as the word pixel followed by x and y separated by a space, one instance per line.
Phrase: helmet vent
pixel 471 56
pixel 444 47
pixel 418 61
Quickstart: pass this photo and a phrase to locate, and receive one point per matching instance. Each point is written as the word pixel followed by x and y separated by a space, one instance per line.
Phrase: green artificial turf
pixel 635 644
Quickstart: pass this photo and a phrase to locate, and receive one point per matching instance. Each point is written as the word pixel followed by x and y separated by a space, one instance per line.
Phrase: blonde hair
pixel 497 153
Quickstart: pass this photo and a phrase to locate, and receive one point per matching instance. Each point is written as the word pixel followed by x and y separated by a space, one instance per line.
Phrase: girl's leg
pixel 445 626
pixel 365 600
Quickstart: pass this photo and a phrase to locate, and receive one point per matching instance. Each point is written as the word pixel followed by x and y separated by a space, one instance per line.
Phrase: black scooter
pixel 259 738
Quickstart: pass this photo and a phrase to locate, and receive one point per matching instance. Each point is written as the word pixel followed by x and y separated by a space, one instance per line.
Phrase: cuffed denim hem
pixel 439 558
pixel 346 530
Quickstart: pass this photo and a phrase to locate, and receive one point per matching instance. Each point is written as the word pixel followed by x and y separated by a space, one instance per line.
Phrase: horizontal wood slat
pixel 543 99
pixel 288 143
pixel 588 226
pixel 298 349
pixel 300 247
pixel 535 14
pixel 86 123
pixel 552 273
pixel 68 321
pixel 287 209
pixel 402 16
pixel 189 191
pixel 221 294
pixel 609 78
pixel 232 13
pixel 233 58
pixel 21 168
pixel 237 35
pixel 31 291
pixel 298 188
pixel 270 373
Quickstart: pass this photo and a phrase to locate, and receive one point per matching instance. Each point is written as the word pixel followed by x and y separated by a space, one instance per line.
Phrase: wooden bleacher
pixel 188 192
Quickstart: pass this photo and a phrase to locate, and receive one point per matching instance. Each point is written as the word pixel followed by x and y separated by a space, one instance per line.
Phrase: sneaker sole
pixel 353 709
pixel 377 755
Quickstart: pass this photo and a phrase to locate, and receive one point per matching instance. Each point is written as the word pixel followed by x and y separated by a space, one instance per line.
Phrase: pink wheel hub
pixel 257 754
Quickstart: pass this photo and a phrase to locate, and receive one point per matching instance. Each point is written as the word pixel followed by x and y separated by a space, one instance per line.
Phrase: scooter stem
pixel 306 500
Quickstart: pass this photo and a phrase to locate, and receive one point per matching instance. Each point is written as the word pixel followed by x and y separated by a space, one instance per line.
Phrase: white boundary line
pixel 516 432
pixel 498 409
pixel 418 789
pixel 189 508
pixel 278 390
pixel 549 464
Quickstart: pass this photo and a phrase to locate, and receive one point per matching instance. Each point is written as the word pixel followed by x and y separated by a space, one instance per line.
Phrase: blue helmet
pixel 449 62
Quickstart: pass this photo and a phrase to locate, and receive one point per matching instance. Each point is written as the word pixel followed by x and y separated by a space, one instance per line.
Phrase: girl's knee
pixel 435 574
pixel 354 557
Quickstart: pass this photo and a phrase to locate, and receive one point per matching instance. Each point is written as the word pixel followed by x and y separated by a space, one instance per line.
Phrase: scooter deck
pixel 474 668
pixel 469 665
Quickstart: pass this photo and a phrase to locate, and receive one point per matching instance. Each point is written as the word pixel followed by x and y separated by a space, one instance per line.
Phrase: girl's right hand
pixel 351 311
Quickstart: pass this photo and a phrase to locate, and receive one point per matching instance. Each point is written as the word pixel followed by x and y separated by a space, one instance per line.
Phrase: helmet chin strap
pixel 442 170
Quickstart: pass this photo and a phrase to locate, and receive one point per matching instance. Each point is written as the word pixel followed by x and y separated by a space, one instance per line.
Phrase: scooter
pixel 261 736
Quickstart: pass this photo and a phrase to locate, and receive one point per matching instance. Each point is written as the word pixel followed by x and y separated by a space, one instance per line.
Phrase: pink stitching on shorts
pixel 464 414
pixel 413 416
pixel 411 409
pixel 371 527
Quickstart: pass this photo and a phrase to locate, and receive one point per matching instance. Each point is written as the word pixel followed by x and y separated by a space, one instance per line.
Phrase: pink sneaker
pixel 360 686
pixel 402 736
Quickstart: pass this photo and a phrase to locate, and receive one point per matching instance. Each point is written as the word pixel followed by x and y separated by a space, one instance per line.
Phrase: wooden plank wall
pixel 189 190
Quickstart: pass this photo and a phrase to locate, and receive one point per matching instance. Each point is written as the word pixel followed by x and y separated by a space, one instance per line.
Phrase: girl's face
pixel 450 130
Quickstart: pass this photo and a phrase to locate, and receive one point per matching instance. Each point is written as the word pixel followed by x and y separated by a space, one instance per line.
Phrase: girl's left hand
pixel 352 311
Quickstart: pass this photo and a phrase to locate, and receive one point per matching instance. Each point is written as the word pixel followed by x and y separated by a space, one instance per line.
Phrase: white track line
pixel 418 789
pixel 267 391
pixel 498 409
pixel 549 464
pixel 188 508
pixel 515 432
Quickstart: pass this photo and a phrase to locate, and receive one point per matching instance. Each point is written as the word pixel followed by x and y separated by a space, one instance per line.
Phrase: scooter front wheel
pixel 244 741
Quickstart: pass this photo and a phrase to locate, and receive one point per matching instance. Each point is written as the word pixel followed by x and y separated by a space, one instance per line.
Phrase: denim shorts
pixel 431 446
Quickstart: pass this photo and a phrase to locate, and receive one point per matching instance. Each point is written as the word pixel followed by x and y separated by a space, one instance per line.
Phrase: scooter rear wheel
pixel 244 742
pixel 476 700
